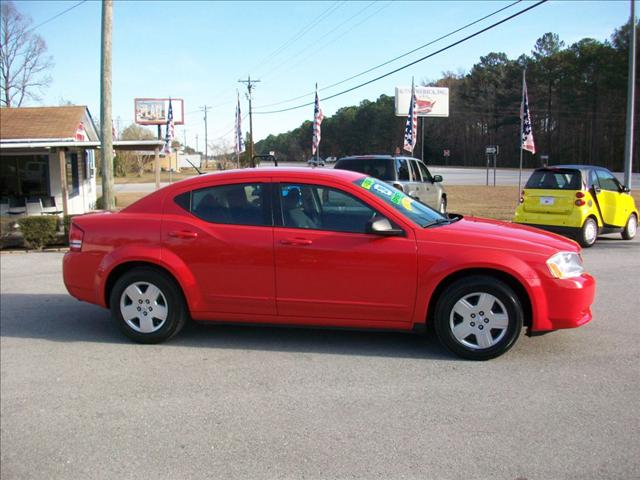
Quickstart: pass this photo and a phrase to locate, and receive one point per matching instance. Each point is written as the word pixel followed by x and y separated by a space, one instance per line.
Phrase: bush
pixel 38 231
pixel 66 222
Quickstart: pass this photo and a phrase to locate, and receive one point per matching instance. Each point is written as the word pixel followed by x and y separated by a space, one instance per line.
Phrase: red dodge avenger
pixel 322 248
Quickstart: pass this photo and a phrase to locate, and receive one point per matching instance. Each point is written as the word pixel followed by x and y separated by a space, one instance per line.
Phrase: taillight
pixel 579 203
pixel 579 194
pixel 76 234
pixel 522 196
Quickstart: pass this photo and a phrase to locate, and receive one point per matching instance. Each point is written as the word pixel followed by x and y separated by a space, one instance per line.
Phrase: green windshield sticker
pixel 397 197
pixel 367 182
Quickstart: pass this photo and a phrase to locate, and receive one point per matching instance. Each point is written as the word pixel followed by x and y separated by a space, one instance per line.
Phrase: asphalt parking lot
pixel 79 401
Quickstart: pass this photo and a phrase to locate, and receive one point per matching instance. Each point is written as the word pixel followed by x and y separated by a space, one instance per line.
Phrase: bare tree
pixel 23 60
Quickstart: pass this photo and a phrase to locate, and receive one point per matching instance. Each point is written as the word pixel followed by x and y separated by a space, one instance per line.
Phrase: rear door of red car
pixel 223 235
pixel 328 267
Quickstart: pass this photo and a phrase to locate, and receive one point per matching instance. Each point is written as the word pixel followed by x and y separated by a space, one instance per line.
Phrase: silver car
pixel 405 173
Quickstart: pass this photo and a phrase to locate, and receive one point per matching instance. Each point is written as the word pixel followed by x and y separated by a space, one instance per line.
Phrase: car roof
pixel 376 157
pixel 574 167
pixel 243 174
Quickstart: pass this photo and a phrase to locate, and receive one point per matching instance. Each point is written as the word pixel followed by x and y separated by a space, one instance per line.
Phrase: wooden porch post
pixel 63 181
pixel 157 167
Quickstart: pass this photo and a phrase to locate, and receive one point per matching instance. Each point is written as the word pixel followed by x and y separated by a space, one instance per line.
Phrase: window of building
pixel 24 176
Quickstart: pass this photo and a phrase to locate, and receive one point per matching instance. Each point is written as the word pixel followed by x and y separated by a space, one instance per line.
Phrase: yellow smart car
pixel 578 201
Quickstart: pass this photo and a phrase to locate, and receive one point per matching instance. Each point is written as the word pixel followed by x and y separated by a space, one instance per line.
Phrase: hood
pixel 482 232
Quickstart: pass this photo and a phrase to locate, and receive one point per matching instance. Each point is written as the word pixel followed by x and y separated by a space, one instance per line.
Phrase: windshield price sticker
pixel 367 182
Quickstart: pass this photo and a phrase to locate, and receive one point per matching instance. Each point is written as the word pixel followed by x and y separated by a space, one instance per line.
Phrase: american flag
pixel 239 147
pixel 318 116
pixel 168 138
pixel 525 116
pixel 411 129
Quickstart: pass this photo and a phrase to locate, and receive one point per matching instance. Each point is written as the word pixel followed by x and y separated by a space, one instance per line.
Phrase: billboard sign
pixel 153 111
pixel 430 101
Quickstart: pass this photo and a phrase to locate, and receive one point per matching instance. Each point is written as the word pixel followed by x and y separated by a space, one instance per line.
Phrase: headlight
pixel 565 265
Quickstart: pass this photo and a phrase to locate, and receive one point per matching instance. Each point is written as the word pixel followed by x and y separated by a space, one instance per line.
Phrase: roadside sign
pixel 446 153
pixel 492 150
pixel 153 111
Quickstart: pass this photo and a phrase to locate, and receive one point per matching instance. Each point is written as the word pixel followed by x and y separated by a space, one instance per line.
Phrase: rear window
pixel 564 179
pixel 373 167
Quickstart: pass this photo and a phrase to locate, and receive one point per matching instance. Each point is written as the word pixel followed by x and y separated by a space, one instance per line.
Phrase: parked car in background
pixel 407 174
pixel 315 162
pixel 579 201
pixel 325 248
pixel 331 160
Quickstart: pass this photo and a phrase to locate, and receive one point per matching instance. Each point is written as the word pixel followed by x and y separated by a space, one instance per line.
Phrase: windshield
pixel 415 211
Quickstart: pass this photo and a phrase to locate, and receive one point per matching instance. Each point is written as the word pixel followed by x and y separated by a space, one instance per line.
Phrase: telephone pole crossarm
pixel 250 84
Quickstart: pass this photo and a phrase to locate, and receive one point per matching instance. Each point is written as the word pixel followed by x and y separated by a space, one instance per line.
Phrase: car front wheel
pixel 630 228
pixel 148 305
pixel 588 234
pixel 478 318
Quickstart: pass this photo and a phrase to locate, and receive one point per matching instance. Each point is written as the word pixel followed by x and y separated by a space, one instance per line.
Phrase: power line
pixel 380 77
pixel 393 59
pixel 317 41
pixel 57 15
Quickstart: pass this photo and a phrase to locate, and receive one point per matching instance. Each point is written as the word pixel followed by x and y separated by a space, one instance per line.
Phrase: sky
pixel 199 50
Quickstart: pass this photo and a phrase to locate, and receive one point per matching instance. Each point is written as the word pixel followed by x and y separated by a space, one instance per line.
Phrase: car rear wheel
pixel 478 318
pixel 630 228
pixel 148 305
pixel 588 233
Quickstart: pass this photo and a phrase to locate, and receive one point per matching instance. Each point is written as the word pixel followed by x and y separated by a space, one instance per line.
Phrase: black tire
pixel 630 227
pixel 586 237
pixel 170 313
pixel 482 342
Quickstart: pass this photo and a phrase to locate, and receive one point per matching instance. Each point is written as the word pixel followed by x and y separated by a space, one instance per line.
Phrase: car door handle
pixel 296 241
pixel 183 234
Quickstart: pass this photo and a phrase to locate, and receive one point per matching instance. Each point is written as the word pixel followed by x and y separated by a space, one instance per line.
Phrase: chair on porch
pixel 17 206
pixel 34 206
pixel 49 206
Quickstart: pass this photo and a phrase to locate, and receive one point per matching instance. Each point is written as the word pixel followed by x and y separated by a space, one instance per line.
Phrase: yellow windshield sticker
pixel 407 203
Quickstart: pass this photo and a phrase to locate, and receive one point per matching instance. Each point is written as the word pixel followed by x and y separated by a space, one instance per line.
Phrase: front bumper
pixel 568 303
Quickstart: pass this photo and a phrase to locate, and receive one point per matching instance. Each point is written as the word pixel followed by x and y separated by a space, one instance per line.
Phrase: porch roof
pixel 36 143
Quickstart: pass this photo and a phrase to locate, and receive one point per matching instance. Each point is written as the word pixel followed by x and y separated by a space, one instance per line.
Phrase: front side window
pixel 317 207
pixel 608 181
pixel 426 175
pixel 417 212
pixel 237 204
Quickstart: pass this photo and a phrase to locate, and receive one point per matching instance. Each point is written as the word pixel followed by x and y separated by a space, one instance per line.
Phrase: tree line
pixel 577 97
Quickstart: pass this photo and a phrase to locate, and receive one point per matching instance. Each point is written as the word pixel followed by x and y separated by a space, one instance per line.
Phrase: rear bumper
pixel 77 277
pixel 568 303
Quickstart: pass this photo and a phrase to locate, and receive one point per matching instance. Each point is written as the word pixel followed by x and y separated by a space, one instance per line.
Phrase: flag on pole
pixel 239 146
pixel 525 117
pixel 318 116
pixel 411 129
pixel 169 135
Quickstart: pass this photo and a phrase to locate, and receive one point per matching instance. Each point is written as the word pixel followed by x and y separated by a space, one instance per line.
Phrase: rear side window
pixel 555 180
pixel 402 166
pixel 374 167
pixel 238 204
pixel 415 173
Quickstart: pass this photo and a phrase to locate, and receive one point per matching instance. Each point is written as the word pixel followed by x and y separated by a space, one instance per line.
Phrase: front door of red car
pixel 328 267
pixel 224 236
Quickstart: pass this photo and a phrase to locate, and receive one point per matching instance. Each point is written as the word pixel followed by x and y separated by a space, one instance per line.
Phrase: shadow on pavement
pixel 61 318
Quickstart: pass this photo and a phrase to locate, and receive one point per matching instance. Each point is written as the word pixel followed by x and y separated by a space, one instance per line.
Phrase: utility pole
pixel 184 138
pixel 205 109
pixel 105 107
pixel 250 84
pixel 631 95
pixel 197 149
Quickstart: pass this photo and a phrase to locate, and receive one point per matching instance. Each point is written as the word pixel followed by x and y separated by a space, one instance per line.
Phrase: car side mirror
pixel 382 226
pixel 437 178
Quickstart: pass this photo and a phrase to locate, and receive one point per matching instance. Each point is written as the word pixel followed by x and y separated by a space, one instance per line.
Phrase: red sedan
pixel 323 248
